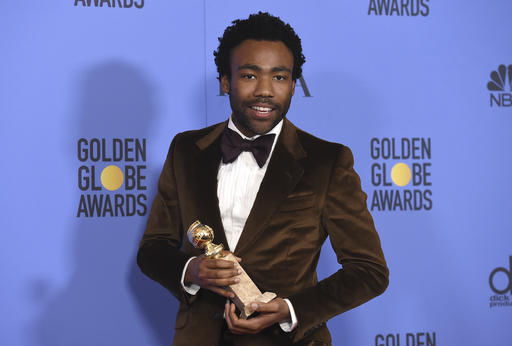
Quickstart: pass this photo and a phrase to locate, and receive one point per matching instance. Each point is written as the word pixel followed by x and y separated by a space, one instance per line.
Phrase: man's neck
pixel 275 130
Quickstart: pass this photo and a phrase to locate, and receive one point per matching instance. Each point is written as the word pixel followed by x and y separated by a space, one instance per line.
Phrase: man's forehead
pixel 262 52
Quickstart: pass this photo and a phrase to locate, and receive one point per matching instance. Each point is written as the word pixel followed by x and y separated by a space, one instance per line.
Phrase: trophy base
pixel 246 292
pixel 246 310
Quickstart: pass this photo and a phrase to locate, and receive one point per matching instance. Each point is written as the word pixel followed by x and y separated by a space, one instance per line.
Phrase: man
pixel 273 213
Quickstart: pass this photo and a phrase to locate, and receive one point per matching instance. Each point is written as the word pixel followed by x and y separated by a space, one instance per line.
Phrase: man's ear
pixel 224 84
pixel 293 87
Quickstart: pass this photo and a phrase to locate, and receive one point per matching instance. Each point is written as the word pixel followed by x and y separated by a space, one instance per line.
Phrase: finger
pixel 252 326
pixel 229 318
pixel 237 258
pixel 221 282
pixel 239 324
pixel 218 277
pixel 221 291
pixel 225 253
pixel 265 307
pixel 221 273
pixel 219 263
pixel 231 315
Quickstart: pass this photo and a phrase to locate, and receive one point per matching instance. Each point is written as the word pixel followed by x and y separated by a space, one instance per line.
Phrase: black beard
pixel 238 113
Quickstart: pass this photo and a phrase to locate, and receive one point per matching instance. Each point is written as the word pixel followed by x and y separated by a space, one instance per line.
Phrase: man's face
pixel 261 86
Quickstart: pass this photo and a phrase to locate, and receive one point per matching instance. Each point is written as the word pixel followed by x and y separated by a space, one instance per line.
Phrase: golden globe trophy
pixel 246 292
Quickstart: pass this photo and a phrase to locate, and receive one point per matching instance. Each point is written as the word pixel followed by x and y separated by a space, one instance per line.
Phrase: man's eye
pixel 279 77
pixel 248 76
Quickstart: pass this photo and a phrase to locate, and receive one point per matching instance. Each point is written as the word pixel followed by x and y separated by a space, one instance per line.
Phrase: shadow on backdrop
pixel 108 301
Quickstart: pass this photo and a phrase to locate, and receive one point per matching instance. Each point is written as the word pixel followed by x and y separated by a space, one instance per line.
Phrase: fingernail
pixel 237 280
pixel 239 271
pixel 254 306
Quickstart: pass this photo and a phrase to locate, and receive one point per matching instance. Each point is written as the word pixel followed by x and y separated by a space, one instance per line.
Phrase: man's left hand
pixel 273 312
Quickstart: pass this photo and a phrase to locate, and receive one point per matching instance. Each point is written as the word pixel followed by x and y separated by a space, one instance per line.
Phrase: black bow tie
pixel 232 145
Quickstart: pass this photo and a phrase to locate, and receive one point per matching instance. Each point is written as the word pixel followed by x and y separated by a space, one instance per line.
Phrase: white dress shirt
pixel 238 183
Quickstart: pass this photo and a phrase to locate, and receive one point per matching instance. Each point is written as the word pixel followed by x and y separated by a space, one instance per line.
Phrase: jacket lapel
pixel 206 165
pixel 283 173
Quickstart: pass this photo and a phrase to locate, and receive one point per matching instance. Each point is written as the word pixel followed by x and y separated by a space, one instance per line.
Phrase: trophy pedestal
pixel 246 292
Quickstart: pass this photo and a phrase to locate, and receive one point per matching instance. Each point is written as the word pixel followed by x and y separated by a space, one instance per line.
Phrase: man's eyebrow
pixel 249 67
pixel 281 69
pixel 257 68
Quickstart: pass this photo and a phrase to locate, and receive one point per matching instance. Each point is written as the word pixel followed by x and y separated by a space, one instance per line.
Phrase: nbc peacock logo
pixel 500 86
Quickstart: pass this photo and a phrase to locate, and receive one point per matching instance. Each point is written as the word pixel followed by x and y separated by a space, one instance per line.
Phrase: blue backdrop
pixel 420 90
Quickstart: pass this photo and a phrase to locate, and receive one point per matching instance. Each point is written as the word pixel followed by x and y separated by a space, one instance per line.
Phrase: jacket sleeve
pixel 364 274
pixel 159 255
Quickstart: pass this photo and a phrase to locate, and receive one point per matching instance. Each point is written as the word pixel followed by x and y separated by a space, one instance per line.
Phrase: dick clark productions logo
pixel 500 281
pixel 500 95
pixel 401 173
pixel 112 177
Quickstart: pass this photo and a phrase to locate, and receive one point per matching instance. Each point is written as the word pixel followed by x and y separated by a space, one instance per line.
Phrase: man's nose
pixel 264 88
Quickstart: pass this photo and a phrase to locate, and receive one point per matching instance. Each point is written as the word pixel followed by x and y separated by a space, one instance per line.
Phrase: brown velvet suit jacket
pixel 310 191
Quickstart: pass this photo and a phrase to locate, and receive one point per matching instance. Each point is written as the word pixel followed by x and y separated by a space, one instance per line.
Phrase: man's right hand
pixel 213 274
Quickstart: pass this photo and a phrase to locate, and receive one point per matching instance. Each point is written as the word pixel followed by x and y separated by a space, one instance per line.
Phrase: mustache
pixel 263 100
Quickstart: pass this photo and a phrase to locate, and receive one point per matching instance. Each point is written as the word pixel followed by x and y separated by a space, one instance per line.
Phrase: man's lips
pixel 262 110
